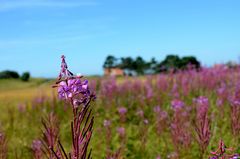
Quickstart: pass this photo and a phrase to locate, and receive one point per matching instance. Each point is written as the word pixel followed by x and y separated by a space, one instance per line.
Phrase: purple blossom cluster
pixel 37 149
pixel 177 104
pixel 122 110
pixel 121 131
pixel 74 90
pixel 122 113
pixel 202 106
pixel 71 88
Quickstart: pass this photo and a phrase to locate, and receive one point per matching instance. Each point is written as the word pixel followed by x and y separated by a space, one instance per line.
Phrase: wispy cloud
pixel 8 5
pixel 46 41
pixel 33 42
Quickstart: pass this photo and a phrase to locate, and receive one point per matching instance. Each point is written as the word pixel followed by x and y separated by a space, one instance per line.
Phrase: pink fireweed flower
pixel 108 137
pixel 219 102
pixel 163 115
pixel 122 113
pixel 172 155
pixel 140 113
pixel 157 109
pixel 149 90
pixel 72 88
pixel 106 123
pixel 145 121
pixel 36 145
pixel 108 88
pixel 235 115
pixel 177 104
pixel 64 69
pixel 37 149
pixel 122 110
pixel 174 92
pixel 202 104
pixel 21 107
pixel 158 157
pixel 180 126
pixel 76 92
pixel 121 131
pixel 161 119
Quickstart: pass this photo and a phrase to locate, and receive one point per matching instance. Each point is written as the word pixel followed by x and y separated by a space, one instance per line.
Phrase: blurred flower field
pixel 175 115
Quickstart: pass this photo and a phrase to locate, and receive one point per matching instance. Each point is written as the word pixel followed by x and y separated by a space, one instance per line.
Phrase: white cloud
pixel 28 4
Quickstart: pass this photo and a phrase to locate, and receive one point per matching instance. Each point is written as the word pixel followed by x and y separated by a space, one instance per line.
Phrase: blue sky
pixel 34 33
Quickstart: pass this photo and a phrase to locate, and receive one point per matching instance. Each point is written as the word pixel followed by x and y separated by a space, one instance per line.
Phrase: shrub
pixel 25 76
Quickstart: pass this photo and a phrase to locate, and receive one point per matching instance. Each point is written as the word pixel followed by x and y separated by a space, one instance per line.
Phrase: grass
pixel 15 91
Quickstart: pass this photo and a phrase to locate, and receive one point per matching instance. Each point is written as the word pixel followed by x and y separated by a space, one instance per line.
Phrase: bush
pixel 8 74
pixel 25 76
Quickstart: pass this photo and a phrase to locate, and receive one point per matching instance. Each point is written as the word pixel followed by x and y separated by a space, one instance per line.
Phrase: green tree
pixel 127 65
pixel 189 60
pixel 152 65
pixel 139 65
pixel 169 63
pixel 8 74
pixel 110 62
pixel 25 76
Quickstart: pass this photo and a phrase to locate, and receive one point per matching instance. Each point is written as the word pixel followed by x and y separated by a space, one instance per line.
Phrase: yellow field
pixel 15 91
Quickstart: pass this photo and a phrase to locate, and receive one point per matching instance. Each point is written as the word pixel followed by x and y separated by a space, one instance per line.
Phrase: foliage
pixel 189 60
pixel 141 67
pixel 25 76
pixel 174 62
pixel 110 62
pixel 155 116
pixel 8 74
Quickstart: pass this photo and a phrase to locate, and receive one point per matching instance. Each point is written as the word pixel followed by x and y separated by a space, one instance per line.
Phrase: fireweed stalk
pixel 161 125
pixel 50 136
pixel 161 118
pixel 235 112
pixel 76 92
pixel 202 123
pixel 223 152
pixel 143 129
pixel 180 126
pixel 121 129
pixel 37 149
pixel 108 132
pixel 110 154
pixel 122 114
pixel 3 146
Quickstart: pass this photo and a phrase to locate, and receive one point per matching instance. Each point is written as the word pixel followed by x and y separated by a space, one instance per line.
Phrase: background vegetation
pixel 23 104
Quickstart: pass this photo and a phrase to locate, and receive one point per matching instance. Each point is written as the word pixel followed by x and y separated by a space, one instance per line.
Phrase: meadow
pixel 175 115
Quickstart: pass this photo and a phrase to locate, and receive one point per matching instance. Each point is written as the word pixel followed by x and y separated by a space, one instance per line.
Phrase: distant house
pixel 113 72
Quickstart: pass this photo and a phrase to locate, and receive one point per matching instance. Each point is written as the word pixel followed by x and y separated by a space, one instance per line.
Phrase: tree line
pixel 7 74
pixel 139 66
